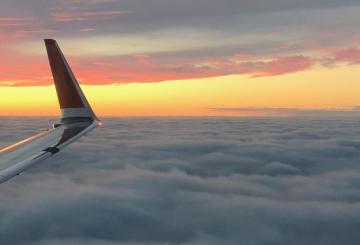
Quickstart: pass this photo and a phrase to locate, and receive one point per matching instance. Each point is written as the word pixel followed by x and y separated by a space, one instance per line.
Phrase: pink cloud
pixel 87 29
pixel 15 21
pixel 27 70
pixel 66 16
pixel 349 55
pixel 144 68
pixel 88 1
pixel 102 1
pixel 282 65
pixel 24 33
pixel 243 64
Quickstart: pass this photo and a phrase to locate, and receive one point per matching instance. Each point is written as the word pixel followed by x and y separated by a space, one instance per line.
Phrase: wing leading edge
pixel 77 119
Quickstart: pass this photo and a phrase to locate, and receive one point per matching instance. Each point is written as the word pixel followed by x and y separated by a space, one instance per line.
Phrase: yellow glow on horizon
pixel 316 88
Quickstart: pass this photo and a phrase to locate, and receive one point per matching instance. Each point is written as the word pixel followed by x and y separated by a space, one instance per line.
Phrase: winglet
pixel 73 103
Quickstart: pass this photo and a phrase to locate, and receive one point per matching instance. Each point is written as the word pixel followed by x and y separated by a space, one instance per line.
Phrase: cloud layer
pixel 190 181
pixel 182 40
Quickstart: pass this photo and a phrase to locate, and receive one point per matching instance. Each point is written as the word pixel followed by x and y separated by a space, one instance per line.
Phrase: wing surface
pixel 77 119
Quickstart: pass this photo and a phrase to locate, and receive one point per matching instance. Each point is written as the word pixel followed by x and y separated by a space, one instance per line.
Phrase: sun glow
pixel 316 88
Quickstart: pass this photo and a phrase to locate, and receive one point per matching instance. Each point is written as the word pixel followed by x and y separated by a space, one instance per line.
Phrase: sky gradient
pixel 191 57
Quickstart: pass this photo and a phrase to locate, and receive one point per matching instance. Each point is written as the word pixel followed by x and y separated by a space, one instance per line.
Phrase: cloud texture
pixel 181 39
pixel 190 181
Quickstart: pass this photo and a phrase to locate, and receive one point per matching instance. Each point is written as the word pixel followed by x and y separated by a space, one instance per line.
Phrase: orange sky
pixel 151 59
pixel 319 88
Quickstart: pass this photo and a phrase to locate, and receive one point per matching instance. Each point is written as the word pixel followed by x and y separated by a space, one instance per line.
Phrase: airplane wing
pixel 77 119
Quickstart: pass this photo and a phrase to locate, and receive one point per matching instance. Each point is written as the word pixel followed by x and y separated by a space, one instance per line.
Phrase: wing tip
pixel 49 41
pixel 72 100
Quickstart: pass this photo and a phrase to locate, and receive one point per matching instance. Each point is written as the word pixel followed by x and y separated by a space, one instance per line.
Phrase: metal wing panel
pixel 17 158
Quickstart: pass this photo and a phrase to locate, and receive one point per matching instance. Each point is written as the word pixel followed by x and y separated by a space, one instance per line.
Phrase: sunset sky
pixel 184 58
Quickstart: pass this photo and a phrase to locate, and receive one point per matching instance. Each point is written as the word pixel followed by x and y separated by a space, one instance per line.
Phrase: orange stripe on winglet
pixel 68 95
